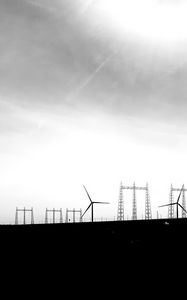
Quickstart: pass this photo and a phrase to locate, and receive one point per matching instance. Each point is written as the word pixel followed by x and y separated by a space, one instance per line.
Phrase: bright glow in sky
pixel 154 20
pixel 47 166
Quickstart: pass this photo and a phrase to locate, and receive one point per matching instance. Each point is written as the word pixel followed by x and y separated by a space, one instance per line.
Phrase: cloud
pixel 48 53
pixel 42 55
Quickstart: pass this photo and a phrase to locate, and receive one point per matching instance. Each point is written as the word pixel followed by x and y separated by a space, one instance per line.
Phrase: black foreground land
pixel 108 256
pixel 78 238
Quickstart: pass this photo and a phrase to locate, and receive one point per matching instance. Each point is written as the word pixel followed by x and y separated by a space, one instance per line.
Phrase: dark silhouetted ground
pixel 113 254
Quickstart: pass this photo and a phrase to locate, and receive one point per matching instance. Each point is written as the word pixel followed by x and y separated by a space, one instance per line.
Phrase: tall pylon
pixel 183 204
pixel 24 210
pixel 134 206
pixel 74 211
pixel 120 216
pixel 171 207
pixel 53 211
pixel 148 214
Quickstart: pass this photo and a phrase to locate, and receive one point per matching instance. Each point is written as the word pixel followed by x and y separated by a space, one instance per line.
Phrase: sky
pixel 91 93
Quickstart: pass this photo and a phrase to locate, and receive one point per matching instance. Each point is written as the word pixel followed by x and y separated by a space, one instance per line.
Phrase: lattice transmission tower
pixel 134 205
pixel 183 204
pixel 171 207
pixel 148 214
pixel 54 212
pixel 74 212
pixel 120 214
pixel 24 211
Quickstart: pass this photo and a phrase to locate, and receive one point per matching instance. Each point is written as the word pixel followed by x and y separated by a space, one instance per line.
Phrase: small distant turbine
pixel 176 203
pixel 91 204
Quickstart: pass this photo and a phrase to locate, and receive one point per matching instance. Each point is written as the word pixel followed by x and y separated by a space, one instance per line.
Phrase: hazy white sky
pixel 91 92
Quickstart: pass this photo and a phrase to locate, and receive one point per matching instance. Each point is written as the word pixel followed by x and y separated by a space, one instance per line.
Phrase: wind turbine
pixel 91 204
pixel 176 203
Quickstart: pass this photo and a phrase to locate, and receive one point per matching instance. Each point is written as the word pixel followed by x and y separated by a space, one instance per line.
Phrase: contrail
pixel 88 79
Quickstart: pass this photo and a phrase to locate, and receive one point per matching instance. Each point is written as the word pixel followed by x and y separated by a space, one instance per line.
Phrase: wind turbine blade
pixel 86 210
pixel 180 193
pixel 168 204
pixel 100 202
pixel 87 194
pixel 182 207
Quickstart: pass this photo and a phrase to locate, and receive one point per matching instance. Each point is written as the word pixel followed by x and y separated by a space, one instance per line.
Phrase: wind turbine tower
pixel 171 207
pixel 91 205
pixel 177 203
